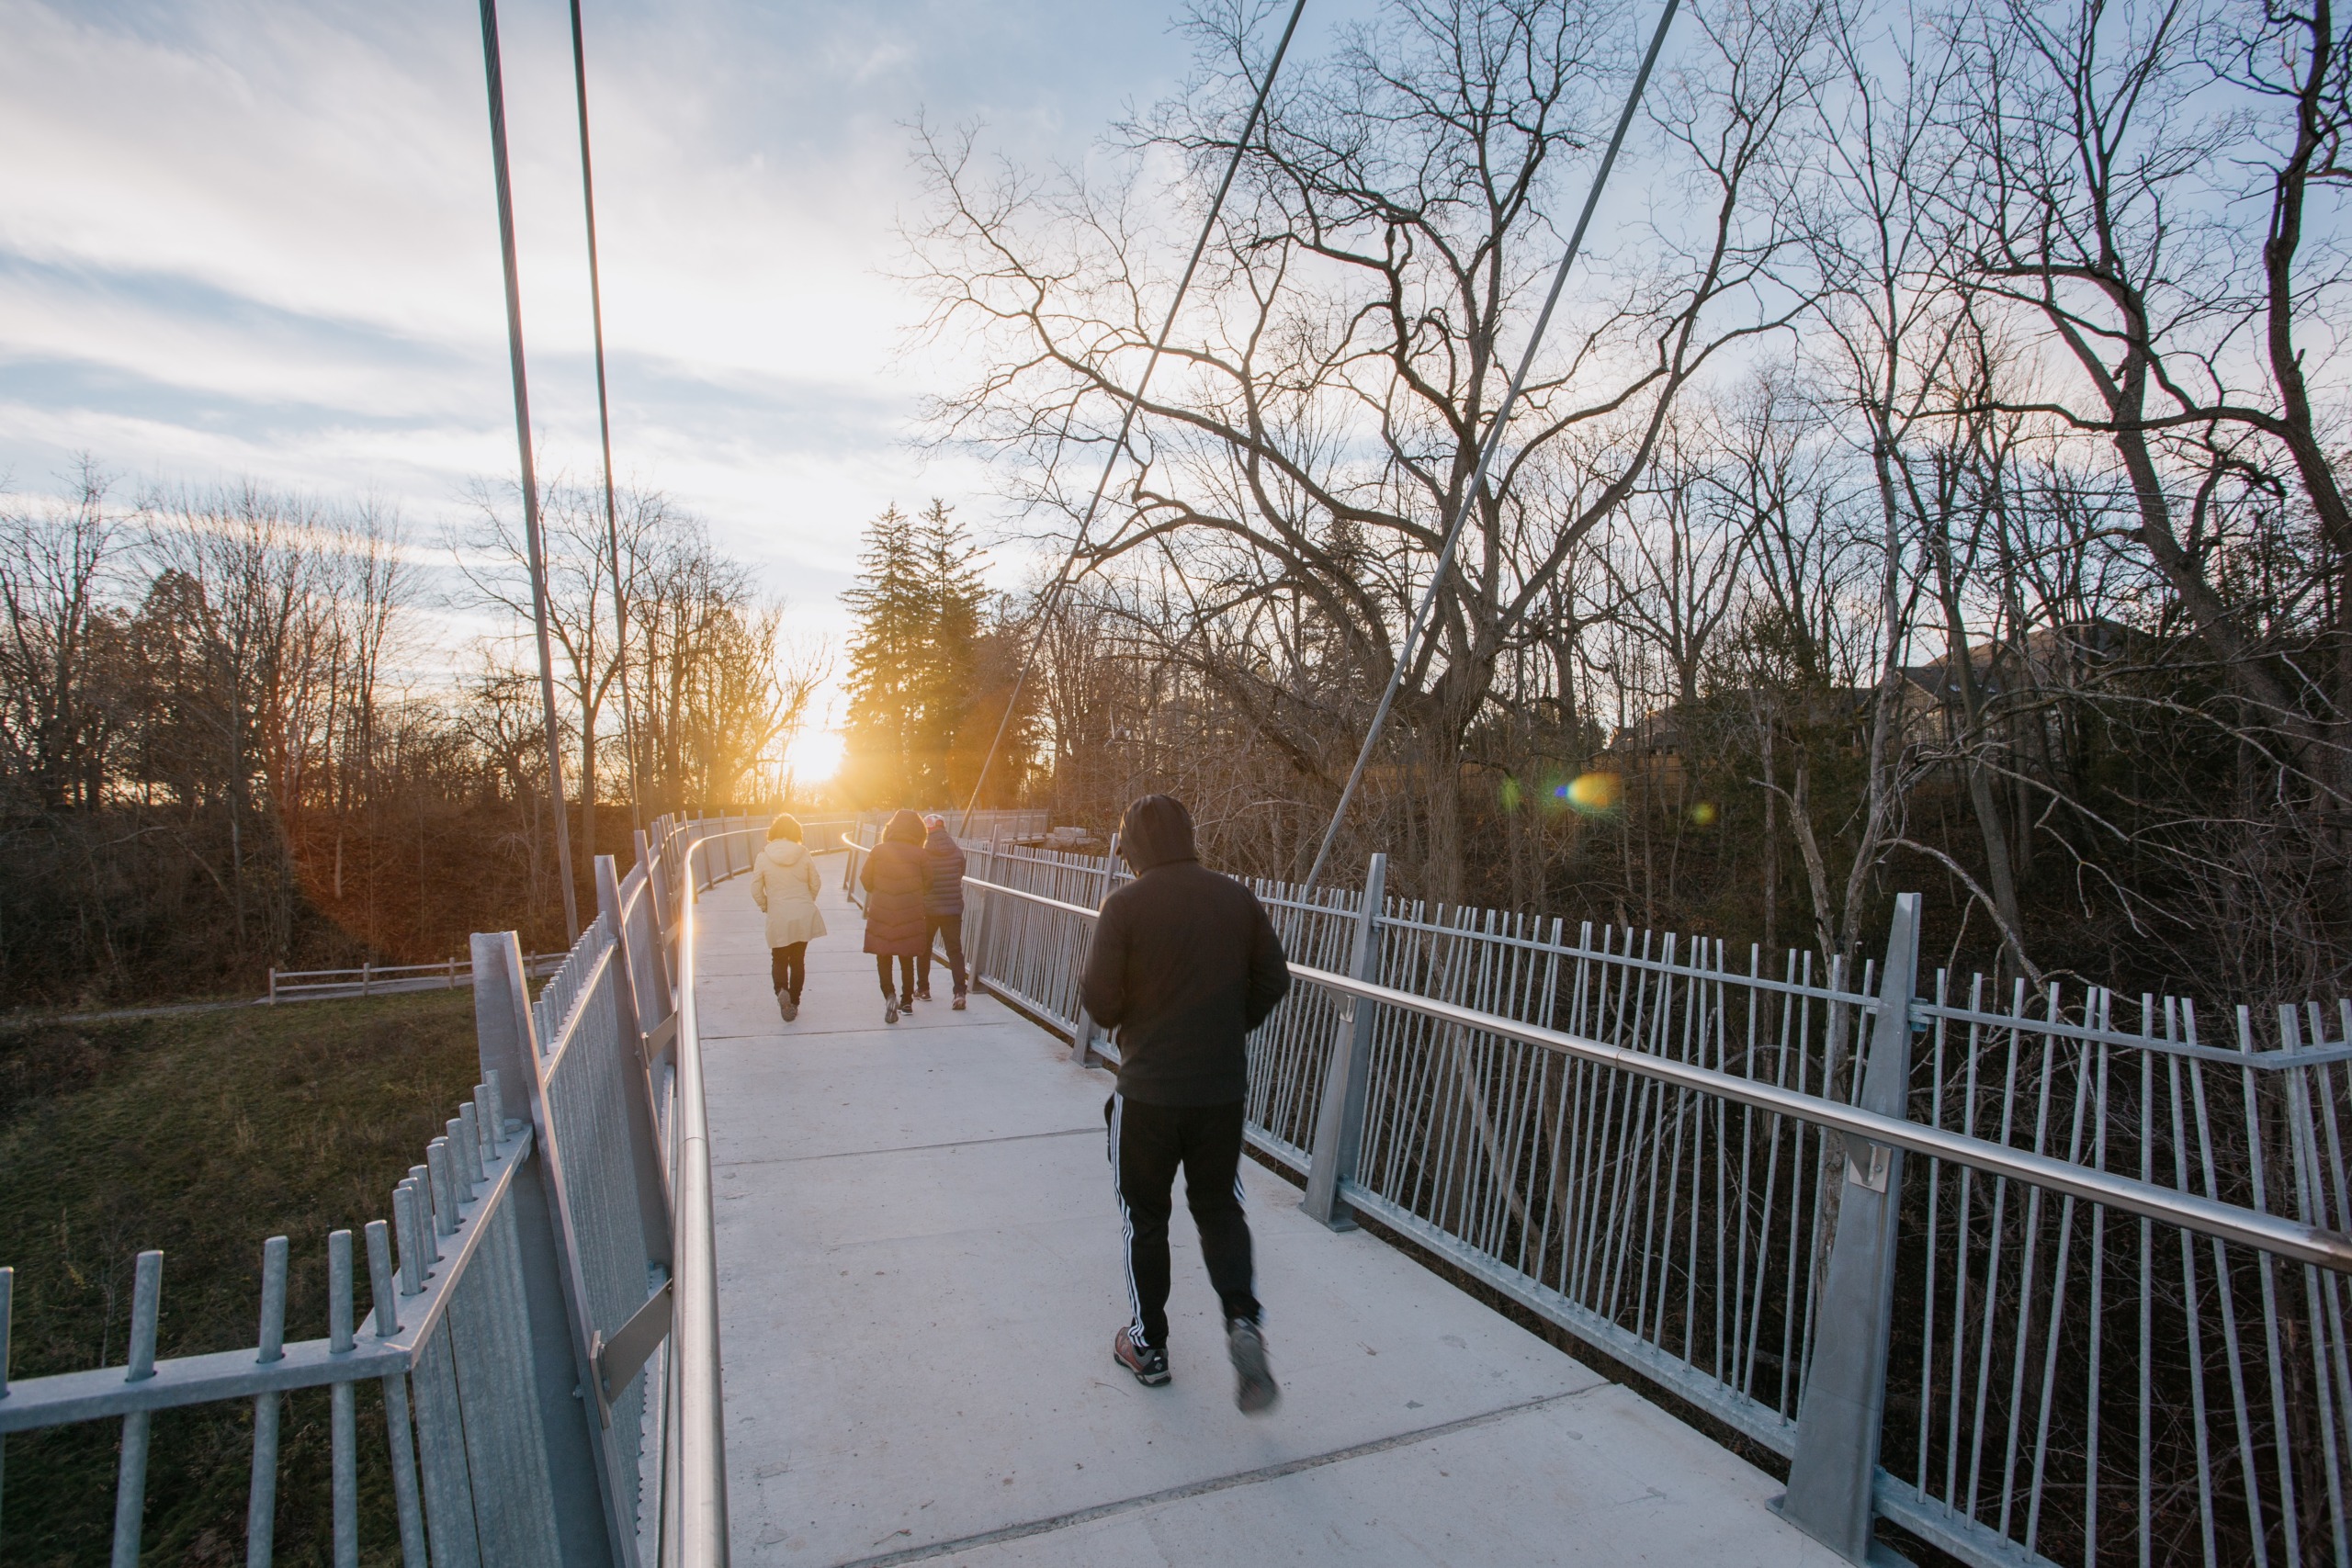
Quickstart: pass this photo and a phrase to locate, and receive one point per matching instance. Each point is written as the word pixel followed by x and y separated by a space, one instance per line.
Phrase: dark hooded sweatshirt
pixel 1186 964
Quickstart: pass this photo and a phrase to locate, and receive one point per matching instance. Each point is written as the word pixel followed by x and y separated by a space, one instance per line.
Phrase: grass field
pixel 204 1135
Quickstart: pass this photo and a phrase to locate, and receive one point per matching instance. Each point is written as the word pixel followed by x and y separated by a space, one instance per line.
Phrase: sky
pixel 258 240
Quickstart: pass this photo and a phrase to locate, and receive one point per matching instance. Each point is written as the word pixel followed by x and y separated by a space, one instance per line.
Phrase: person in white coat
pixel 785 882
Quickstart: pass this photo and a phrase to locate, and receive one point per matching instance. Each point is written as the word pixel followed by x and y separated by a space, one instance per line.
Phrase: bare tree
pixel 1331 403
pixel 57 627
pixel 2141 180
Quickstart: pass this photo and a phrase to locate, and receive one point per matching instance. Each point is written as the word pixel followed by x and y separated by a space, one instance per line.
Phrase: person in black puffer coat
pixel 1184 965
pixel 896 880
pixel 942 908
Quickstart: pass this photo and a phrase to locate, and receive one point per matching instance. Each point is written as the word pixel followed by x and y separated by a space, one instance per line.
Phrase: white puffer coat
pixel 785 881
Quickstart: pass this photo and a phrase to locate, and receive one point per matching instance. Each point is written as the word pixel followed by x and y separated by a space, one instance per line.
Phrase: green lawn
pixel 204 1135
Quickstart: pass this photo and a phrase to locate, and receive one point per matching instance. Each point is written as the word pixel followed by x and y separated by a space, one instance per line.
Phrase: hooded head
pixel 905 827
pixel 1155 830
pixel 933 822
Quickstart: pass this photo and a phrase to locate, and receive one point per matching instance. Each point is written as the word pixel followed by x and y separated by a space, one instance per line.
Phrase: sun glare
pixel 815 754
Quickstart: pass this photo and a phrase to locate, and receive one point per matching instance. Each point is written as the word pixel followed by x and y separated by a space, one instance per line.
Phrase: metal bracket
pixel 1866 1164
pixel 657 1038
pixel 618 1359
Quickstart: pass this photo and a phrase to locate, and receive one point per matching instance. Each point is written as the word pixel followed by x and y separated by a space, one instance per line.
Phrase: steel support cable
pixel 523 441
pixel 1486 450
pixel 605 420
pixel 1126 420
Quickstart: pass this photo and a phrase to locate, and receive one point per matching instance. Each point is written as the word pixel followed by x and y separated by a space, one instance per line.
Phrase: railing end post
pixel 1833 1474
pixel 1339 1120
pixel 505 1032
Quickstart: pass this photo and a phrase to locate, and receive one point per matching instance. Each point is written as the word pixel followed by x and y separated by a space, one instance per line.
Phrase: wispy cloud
pixel 247 239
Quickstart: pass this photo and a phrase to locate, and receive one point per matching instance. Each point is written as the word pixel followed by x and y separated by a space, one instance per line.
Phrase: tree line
pixel 1934 481
pixel 231 736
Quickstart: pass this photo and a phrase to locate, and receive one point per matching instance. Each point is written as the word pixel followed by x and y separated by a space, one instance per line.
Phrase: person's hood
pixel 1157 830
pixel 905 827
pixel 940 839
pixel 784 853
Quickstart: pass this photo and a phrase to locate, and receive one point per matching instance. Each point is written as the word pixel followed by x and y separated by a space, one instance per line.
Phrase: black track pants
pixel 1147 1144
pixel 788 968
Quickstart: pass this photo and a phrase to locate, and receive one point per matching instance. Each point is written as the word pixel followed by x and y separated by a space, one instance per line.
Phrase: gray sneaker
pixel 789 1003
pixel 890 1009
pixel 1254 1389
pixel 1149 1364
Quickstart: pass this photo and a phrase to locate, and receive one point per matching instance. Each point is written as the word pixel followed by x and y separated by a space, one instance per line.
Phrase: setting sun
pixel 815 754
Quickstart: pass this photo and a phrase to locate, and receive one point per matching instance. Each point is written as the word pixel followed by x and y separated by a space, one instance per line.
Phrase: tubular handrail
pixel 698 1435
pixel 2268 1232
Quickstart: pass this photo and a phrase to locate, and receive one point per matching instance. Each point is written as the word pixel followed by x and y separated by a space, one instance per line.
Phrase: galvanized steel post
pixel 1082 1037
pixel 1833 1474
pixel 1339 1121
pixel 657 921
pixel 977 957
pixel 644 1121
pixel 566 1423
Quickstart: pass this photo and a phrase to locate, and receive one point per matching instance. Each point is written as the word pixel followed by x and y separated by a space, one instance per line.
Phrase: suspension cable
pixel 1046 604
pixel 523 440
pixel 1487 451
pixel 605 423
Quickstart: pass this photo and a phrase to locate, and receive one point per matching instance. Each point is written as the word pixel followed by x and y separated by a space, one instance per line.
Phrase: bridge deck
pixel 919 1281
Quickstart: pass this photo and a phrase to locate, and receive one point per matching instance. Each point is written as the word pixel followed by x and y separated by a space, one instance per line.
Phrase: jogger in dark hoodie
pixel 1186 964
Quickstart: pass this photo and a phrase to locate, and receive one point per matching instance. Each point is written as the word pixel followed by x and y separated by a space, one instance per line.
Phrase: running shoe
pixel 784 1005
pixel 958 1003
pixel 890 1009
pixel 1149 1363
pixel 1254 1391
pixel 791 1008
pixel 922 994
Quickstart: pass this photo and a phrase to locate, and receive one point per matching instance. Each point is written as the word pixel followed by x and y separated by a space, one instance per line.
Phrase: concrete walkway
pixel 918 1279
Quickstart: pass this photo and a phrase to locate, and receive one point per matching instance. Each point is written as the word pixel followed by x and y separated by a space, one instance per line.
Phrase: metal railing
pixel 969 826
pixel 2083 1321
pixel 539 1408
pixel 390 979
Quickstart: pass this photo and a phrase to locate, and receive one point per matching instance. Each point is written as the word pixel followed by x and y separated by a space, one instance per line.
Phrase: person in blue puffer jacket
pixel 942 908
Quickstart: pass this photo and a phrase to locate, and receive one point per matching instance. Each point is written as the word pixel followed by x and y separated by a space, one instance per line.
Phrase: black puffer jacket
pixel 1186 964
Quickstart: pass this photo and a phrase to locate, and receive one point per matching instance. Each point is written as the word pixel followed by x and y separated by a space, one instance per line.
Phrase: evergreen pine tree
pixel 885 661
pixel 952 595
pixel 914 661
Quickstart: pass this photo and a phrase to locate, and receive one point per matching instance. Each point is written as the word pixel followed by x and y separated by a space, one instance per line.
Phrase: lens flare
pixel 1703 814
pixel 1593 793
